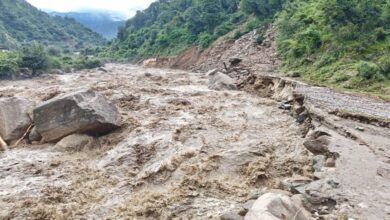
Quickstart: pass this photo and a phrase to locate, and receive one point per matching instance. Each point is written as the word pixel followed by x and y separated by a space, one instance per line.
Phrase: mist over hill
pixel 104 23
pixel 21 23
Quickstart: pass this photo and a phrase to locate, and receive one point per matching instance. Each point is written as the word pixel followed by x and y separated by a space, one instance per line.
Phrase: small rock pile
pixel 76 116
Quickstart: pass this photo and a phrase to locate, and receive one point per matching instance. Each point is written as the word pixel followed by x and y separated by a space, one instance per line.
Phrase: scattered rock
pixel 302 117
pixel 360 128
pixel 294 74
pixel 383 172
pixel 235 61
pixel 179 101
pixel 273 206
pixel 298 109
pixel 220 81
pixel 34 135
pixel 317 143
pixel 14 117
pixel 248 205
pixel 330 162
pixel 231 216
pixel 81 112
pixel 76 143
pixel 320 193
pixel 296 185
pixel 318 162
pixel 102 69
pixel 285 106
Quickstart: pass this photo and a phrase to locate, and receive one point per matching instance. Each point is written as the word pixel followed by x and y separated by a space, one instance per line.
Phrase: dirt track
pixel 183 152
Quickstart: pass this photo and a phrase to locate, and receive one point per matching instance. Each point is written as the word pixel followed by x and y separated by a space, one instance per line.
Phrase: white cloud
pixel 124 7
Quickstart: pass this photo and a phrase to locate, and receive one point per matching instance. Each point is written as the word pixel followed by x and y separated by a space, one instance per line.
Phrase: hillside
pixel 340 43
pixel 101 22
pixel 21 23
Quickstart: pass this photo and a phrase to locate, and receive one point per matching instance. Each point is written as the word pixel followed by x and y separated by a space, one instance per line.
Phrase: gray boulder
pixel 14 117
pixel 81 112
pixel 273 206
pixel 220 81
pixel 76 143
pixel 317 143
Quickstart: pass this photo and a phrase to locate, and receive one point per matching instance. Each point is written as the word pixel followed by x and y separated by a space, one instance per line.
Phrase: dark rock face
pixel 81 112
pixel 34 135
pixel 14 117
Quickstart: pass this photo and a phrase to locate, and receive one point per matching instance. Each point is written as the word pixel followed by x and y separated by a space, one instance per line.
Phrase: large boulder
pixel 81 112
pixel 273 206
pixel 220 81
pixel 14 117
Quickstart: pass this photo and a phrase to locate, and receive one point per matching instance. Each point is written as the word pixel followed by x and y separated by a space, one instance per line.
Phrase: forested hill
pixel 167 27
pixel 345 43
pixel 21 23
pixel 104 23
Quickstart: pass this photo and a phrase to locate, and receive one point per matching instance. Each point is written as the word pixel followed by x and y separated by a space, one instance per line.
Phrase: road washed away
pixel 184 151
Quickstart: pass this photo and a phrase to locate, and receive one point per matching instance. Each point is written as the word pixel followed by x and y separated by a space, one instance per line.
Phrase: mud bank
pixel 360 140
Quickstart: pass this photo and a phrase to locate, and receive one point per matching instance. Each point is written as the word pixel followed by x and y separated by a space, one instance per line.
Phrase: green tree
pixel 34 57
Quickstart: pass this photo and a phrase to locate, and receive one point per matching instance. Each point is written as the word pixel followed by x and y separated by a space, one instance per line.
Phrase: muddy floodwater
pixel 183 152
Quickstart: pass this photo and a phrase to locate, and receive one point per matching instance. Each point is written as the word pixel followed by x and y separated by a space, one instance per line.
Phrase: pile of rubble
pixel 72 118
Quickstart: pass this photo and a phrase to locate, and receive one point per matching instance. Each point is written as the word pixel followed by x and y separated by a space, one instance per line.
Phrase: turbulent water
pixel 183 150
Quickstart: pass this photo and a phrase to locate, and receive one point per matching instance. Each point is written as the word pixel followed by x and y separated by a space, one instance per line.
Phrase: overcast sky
pixel 123 7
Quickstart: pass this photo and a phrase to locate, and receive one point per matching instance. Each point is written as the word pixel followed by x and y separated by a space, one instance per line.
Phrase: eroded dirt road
pixel 183 152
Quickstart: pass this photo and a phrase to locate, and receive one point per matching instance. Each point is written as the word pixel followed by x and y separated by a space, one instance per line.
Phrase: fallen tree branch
pixel 3 144
pixel 28 130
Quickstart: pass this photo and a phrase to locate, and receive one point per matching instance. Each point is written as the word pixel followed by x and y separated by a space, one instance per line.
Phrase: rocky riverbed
pixel 184 151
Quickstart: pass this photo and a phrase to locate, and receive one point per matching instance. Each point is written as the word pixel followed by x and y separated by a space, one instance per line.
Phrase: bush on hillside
pixel 34 57
pixel 8 64
pixel 367 70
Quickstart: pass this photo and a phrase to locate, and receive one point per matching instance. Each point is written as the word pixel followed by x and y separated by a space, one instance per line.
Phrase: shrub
pixel 237 34
pixel 87 63
pixel 34 57
pixel 205 40
pixel 367 70
pixel 8 63
pixel 384 63
pixel 223 29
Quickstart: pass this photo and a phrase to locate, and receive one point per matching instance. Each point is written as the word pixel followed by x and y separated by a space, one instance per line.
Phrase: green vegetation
pixel 21 23
pixel 37 59
pixel 344 43
pixel 168 27
pixel 34 57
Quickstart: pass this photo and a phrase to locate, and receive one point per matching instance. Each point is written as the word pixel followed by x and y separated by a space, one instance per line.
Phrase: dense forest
pixel 168 27
pixel 21 23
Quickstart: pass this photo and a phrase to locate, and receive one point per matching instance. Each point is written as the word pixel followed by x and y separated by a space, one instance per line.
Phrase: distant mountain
pixel 22 23
pixel 104 23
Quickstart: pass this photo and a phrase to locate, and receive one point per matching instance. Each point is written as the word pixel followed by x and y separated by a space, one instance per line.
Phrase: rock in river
pixel 220 81
pixel 273 206
pixel 81 112
pixel 14 117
